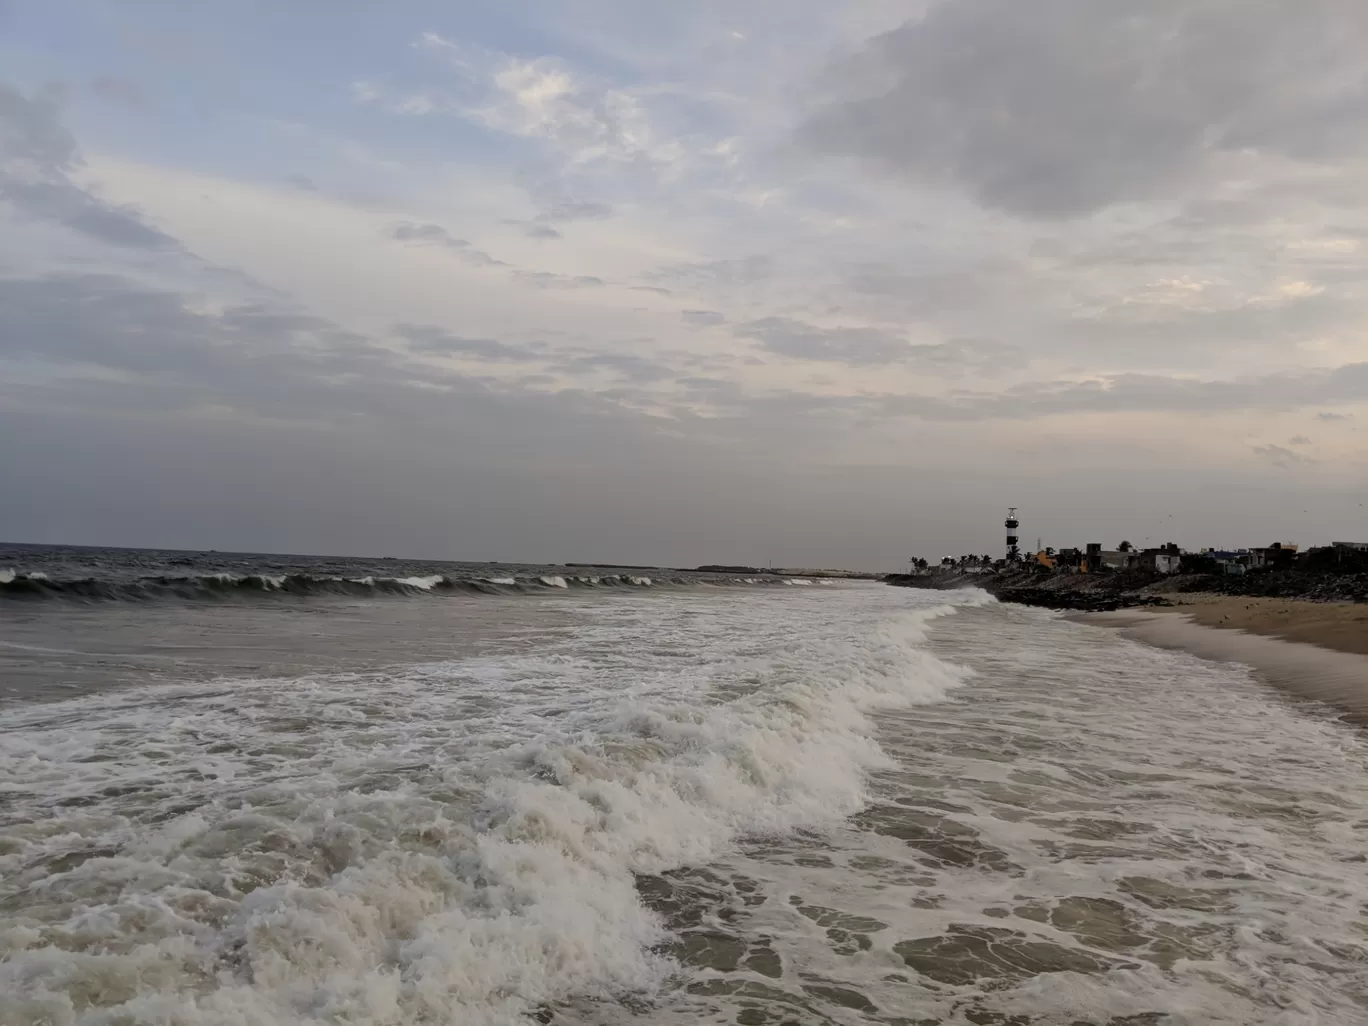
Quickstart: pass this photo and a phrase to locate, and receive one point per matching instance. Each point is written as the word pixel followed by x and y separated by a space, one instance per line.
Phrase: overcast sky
pixel 758 280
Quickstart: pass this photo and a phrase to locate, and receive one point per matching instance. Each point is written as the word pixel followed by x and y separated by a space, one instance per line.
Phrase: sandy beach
pixel 1341 626
pixel 1314 650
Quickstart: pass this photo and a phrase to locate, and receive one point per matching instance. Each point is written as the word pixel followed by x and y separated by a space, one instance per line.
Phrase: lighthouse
pixel 1012 523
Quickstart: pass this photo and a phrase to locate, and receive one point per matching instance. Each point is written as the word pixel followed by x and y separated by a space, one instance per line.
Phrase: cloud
pixel 702 318
pixel 868 346
pixel 439 342
pixel 627 366
pixel 1299 440
pixel 541 231
pixel 550 280
pixel 855 346
pixel 562 212
pixel 37 158
pixel 1327 416
pixel 1283 459
pixel 1141 393
pixel 704 274
pixel 428 234
pixel 576 210
pixel 432 234
pixel 983 356
pixel 582 118
pixel 1060 108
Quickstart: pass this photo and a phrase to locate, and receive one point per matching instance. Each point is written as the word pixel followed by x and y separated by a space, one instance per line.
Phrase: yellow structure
pixel 1045 560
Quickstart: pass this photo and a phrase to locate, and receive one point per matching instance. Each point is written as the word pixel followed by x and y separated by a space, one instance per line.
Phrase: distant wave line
pixel 18 585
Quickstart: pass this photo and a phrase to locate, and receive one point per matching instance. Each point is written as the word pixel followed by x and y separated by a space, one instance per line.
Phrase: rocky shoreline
pixel 1128 589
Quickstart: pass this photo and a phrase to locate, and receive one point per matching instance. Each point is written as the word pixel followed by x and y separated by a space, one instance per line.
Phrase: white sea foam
pixel 7 576
pixel 272 582
pixel 452 843
pixel 500 580
pixel 641 582
pixel 425 583
pixel 554 582
pixel 797 581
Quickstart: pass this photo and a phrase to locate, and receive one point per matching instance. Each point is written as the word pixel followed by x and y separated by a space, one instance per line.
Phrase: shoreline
pixel 1315 671
pixel 1339 626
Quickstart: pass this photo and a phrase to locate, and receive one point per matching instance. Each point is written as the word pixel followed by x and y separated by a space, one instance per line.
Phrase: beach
pixel 1341 626
pixel 1313 650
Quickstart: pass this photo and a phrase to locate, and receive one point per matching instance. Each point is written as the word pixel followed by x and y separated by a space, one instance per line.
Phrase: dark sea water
pixel 488 795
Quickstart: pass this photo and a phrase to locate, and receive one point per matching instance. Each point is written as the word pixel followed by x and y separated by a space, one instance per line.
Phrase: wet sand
pixel 1317 651
pixel 1342 626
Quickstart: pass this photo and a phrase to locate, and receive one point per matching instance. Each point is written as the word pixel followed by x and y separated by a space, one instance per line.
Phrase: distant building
pixel 1352 546
pixel 1070 558
pixel 1277 554
pixel 1231 562
pixel 1165 560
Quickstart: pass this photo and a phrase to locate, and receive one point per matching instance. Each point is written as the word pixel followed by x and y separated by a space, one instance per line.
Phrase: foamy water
pixel 843 804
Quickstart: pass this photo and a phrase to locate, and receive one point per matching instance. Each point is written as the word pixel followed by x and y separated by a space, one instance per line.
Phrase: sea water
pixel 661 803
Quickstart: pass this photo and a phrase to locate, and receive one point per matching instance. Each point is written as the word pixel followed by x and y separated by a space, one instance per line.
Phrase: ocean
pixel 243 790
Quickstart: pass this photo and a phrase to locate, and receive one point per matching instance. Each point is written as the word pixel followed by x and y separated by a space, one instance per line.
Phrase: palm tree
pixel 1125 546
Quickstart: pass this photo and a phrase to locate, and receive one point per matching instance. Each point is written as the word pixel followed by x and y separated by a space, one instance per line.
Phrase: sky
pixel 763 281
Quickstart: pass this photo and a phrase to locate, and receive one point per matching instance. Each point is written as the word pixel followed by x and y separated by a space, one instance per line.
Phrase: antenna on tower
pixel 1012 523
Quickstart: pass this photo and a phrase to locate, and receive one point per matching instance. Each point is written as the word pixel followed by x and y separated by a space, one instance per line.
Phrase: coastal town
pixel 1092 576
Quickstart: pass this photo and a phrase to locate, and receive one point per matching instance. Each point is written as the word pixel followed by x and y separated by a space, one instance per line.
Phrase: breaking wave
pixel 400 859
pixel 18 585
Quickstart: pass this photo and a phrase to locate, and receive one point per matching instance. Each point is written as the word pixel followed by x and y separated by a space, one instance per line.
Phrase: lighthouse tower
pixel 1012 523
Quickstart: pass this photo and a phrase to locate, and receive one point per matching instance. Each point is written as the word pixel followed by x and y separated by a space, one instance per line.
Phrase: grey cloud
pixel 428 339
pixel 577 210
pixel 428 234
pixel 562 211
pixel 867 346
pixel 1261 322
pixel 702 318
pixel 702 274
pixel 982 356
pixel 1130 393
pixel 628 366
pixel 944 289
pixel 440 342
pixel 1063 107
pixel 1326 416
pixel 37 156
pixel 433 234
pixel 1284 459
pixel 31 133
pixel 1299 440
pixel 857 346
pixel 548 280
pixel 103 321
pixel 263 361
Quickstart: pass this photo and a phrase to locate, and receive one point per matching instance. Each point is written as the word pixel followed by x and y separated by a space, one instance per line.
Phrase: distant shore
pixel 1102 592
